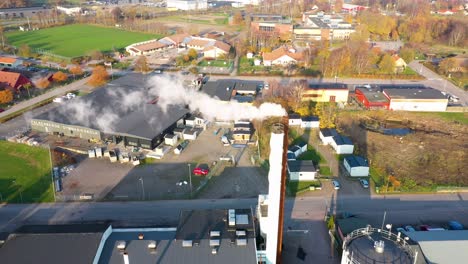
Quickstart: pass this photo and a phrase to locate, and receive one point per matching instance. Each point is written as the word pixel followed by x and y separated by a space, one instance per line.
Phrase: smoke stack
pixel 125 257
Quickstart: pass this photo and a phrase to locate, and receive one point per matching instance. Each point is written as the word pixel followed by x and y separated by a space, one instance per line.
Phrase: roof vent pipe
pixel 125 257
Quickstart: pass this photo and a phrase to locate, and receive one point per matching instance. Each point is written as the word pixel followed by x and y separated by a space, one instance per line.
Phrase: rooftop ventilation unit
pixel 379 246
pixel 241 242
pixel 187 243
pixel 214 242
pixel 152 245
pixel 121 245
pixel 232 217
pixel 214 251
pixel 240 233
pixel 215 234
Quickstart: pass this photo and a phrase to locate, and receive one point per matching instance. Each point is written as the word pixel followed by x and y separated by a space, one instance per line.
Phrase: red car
pixel 200 171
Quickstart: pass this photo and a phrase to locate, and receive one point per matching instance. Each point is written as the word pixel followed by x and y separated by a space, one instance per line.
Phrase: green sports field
pixel 77 40
pixel 25 174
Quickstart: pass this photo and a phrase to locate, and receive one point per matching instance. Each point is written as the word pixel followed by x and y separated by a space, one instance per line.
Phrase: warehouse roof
pixel 442 246
pixel 327 86
pixel 72 247
pixel 356 161
pixel 413 93
pixel 373 95
pixel 222 89
pixel 111 109
pixel 301 166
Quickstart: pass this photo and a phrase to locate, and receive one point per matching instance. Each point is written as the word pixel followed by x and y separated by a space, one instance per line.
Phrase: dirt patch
pixel 434 155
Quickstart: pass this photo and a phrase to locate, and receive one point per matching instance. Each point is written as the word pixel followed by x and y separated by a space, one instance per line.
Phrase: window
pixel 332 98
pixel 266 28
pixel 311 95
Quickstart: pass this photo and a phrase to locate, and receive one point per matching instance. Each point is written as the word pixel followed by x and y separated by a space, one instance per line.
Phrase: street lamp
pixel 190 179
pixel 142 187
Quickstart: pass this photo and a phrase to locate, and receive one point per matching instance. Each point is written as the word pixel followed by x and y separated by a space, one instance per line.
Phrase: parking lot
pixel 169 178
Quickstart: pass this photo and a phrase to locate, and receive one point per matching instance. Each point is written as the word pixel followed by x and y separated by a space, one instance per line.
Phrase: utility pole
pixel 190 179
pixel 51 171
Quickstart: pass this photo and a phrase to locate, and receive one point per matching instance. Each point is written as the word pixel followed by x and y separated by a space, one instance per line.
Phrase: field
pixel 25 174
pixel 77 40
pixel 433 155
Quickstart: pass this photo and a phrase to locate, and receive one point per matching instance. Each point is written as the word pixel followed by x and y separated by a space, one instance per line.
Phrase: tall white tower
pixel 270 206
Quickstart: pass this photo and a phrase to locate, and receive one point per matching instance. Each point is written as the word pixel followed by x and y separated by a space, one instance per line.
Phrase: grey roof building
pixel 301 166
pixel 232 89
pixel 124 110
pixel 356 161
pixel 413 93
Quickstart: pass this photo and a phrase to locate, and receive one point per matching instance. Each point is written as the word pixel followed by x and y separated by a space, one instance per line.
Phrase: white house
pixel 194 121
pixel 301 170
pixel 296 150
pixel 400 63
pixel 171 139
pixel 310 122
pixel 282 56
pixel 294 120
pixel 326 135
pixel 146 47
pixel 356 166
pixel 342 145
pixel 190 134
pixel 302 146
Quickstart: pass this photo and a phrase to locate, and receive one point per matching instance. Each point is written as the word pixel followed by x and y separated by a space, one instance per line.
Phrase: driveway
pixel 53 93
pixel 438 82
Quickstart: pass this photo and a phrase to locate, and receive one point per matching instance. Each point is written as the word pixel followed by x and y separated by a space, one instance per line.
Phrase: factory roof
pixel 112 103
pixel 64 246
pixel 222 89
pixel 413 93
pixel 301 166
pixel 372 95
pixel 356 161
pixel 447 246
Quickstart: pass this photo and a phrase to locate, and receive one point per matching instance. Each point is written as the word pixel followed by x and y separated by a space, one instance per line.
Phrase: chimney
pixel 141 236
pixel 125 257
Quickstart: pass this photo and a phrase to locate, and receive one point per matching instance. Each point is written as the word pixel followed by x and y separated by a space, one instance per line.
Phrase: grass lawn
pixel 214 63
pixel 295 187
pixel 461 118
pixel 311 154
pixel 25 172
pixel 325 171
pixel 77 40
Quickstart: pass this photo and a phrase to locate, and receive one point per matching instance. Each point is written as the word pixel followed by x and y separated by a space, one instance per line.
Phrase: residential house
pixel 147 47
pixel 13 80
pixel 210 48
pixel 191 133
pixel 326 92
pixel 294 119
pixel 356 166
pixel 242 131
pixel 301 170
pixel 195 121
pixel 297 150
pixel 342 144
pixel 178 40
pixel 10 62
pixel 400 64
pixel 282 56
pixel 326 135
pixel 171 139
pixel 310 122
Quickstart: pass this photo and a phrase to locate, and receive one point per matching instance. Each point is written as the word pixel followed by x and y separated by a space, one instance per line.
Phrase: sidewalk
pixel 53 93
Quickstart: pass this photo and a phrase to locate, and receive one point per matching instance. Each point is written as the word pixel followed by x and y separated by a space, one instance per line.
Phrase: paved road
pixel 53 93
pixel 439 82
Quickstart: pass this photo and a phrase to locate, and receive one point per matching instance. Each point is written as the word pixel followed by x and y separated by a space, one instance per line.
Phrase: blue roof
pixel 291 156
pixel 356 161
pixel 294 148
pixel 310 118
pixel 301 144
pixel 342 140
pixel 328 132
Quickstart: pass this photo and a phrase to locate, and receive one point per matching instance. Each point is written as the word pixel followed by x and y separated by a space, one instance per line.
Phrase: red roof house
pixel 13 80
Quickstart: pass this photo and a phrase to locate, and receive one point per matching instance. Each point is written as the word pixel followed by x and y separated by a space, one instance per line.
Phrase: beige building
pixel 326 92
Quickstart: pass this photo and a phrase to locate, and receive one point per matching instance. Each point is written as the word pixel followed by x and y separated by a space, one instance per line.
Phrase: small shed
pixel 171 139
pixel 194 121
pixel 342 145
pixel 179 132
pixel 326 135
pixel 190 134
pixel 296 150
pixel 291 156
pixel 294 119
pixel 356 166
pixel 303 146
pixel 301 170
pixel 310 122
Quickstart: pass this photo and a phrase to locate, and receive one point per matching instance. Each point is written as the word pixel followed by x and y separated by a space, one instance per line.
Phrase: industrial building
pixel 232 89
pixel 415 98
pixel 201 236
pixel 371 98
pixel 326 92
pixel 108 114
pixel 187 4
pixel 323 26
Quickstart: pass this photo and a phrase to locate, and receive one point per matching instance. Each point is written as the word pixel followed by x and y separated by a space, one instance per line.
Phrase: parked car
pixel 410 228
pixel 336 184
pixel 364 183
pixel 455 225
pixel 400 230
pixel 70 96
pixel 200 171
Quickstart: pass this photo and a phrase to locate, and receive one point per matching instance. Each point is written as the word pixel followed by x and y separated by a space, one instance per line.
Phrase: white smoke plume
pixel 172 91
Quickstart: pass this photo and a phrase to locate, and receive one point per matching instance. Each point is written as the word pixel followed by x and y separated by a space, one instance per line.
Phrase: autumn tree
pixel 446 65
pixel 59 76
pixel 141 64
pixel 407 54
pixel 326 112
pixel 99 76
pixel 237 18
pixel 387 64
pixel 379 26
pixel 192 53
pixel 42 83
pixel 116 13
pixel 24 51
pixel 76 70
pixel 6 96
pixel 361 33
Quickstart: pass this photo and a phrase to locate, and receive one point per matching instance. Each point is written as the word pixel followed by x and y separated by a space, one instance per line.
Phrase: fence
pixel 50 54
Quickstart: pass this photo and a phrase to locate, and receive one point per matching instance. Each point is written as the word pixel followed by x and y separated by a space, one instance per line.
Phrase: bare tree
pixel 295 93
pixel 457 34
